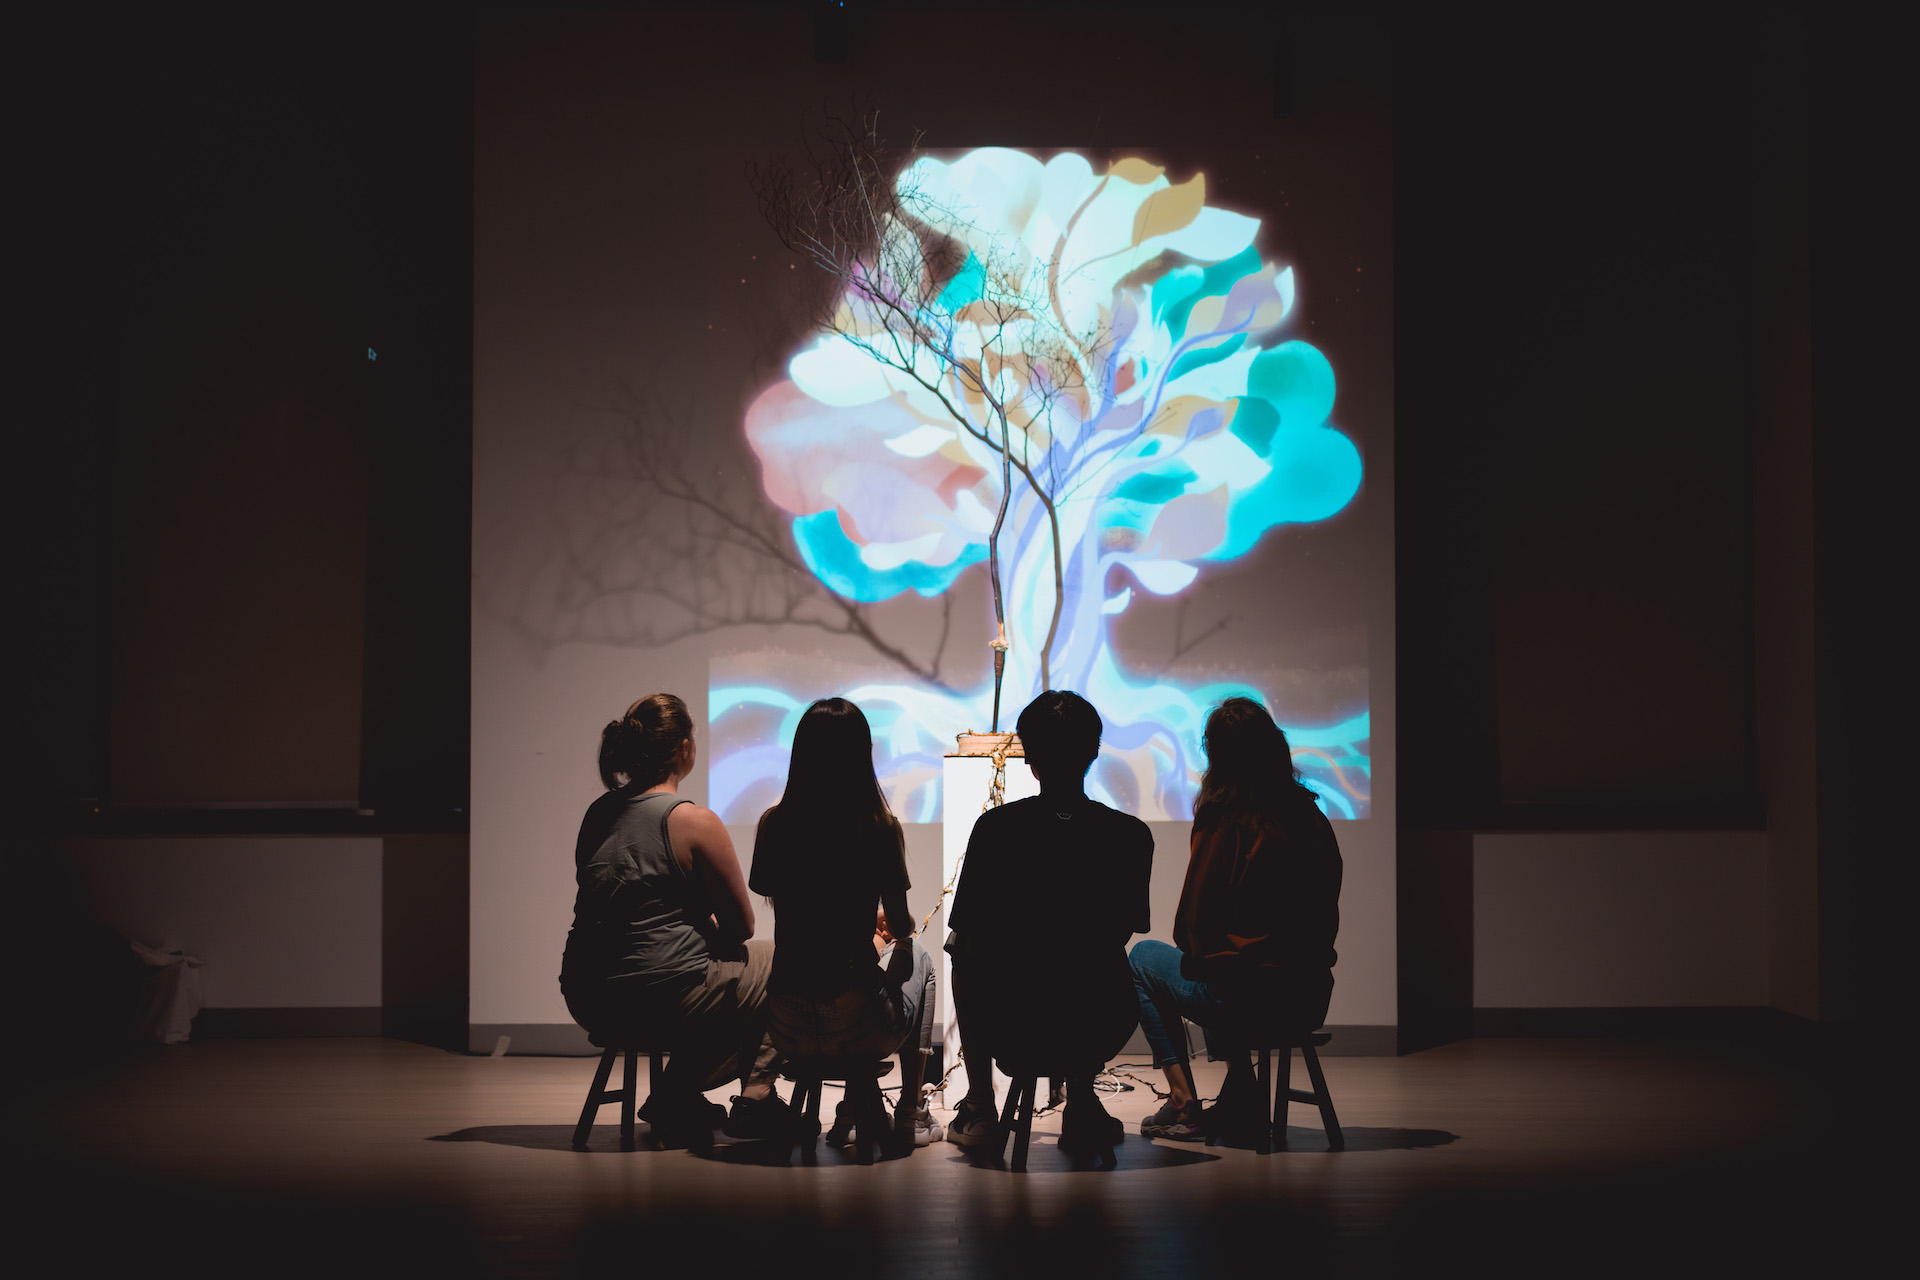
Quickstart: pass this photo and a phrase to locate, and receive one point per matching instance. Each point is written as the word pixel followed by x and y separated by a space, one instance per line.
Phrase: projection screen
pixel 701 464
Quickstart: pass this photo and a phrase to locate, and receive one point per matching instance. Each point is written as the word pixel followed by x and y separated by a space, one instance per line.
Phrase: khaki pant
pixel 707 1029
pixel 723 1018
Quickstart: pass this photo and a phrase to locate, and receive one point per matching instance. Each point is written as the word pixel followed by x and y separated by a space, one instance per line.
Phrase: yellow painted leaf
pixel 1165 212
pixel 1205 316
pixel 1135 170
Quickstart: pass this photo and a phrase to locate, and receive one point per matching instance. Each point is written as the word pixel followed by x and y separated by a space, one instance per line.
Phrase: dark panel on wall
pixel 418 157
pixel 57 428
pixel 423 939
pixel 1863 504
pixel 238 542
pixel 1575 506
pixel 241 549
pixel 1435 937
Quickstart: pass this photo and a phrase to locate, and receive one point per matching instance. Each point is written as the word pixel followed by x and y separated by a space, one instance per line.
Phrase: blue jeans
pixel 1166 997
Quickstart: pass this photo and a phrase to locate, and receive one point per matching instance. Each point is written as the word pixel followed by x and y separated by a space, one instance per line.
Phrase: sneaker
pixel 1181 1124
pixel 926 1130
pixel 767 1117
pixel 690 1113
pixel 844 1124
pixel 1230 1128
pixel 1087 1126
pixel 974 1124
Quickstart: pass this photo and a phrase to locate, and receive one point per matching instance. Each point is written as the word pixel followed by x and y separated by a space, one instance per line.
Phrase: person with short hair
pixel 1052 888
pixel 844 984
pixel 659 953
pixel 1256 924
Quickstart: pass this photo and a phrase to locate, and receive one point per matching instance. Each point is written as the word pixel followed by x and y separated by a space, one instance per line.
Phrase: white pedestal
pixel 968 779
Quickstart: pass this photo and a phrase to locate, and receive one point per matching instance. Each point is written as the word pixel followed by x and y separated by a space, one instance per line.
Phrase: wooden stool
pixel 1272 1134
pixel 599 1096
pixel 1016 1118
pixel 862 1080
pixel 627 1095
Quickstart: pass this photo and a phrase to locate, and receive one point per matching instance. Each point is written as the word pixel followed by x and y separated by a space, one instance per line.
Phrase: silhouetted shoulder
pixel 1008 813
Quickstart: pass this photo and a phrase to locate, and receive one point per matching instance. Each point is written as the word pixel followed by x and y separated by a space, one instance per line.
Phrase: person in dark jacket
pixel 1256 924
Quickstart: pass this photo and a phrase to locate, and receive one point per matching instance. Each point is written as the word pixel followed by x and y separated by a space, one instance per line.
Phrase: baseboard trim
pixel 286 1024
pixel 531 1039
pixel 1361 1040
pixel 1740 1022
pixel 442 1026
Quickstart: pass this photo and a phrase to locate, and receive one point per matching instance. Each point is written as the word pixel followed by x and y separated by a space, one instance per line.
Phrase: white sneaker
pixel 926 1130
pixel 974 1124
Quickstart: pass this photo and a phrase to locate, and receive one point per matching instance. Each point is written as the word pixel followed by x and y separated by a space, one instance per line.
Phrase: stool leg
pixel 809 1135
pixel 1336 1141
pixel 1009 1116
pixel 592 1109
pixel 1268 1106
pixel 863 1096
pixel 1024 1132
pixel 629 1100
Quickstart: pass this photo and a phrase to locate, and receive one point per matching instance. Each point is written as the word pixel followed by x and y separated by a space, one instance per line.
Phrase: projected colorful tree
pixel 1106 353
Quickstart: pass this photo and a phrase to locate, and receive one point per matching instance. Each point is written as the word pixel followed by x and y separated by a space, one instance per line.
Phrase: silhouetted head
pixel 1249 761
pixel 1060 732
pixel 648 744
pixel 831 770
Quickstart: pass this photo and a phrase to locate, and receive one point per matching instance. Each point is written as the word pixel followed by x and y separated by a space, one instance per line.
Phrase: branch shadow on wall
pixel 655 529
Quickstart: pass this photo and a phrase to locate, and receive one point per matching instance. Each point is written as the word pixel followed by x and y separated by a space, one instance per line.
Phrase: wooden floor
pixel 379 1157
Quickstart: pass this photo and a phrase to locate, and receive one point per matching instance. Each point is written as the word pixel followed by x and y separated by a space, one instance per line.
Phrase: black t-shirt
pixel 1049 896
pixel 825 879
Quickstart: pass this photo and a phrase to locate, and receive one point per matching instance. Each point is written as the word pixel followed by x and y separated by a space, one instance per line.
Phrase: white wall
pixel 282 922
pixel 598 249
pixel 1642 918
pixel 522 875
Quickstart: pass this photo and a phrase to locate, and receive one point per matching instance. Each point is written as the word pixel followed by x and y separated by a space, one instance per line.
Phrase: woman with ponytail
pixel 845 982
pixel 659 953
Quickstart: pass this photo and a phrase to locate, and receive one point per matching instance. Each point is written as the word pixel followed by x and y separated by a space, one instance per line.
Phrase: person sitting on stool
pixel 1256 921
pixel 826 855
pixel 1052 888
pixel 658 955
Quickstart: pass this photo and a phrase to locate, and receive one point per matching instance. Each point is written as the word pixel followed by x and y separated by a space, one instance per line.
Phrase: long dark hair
pixel 831 773
pixel 1250 767
pixel 643 743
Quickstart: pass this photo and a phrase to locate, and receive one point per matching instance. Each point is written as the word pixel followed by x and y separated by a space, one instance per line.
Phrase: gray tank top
pixel 637 917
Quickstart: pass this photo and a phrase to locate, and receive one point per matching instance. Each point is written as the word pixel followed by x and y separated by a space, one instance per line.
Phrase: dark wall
pixel 1574 436
pixel 1576 384
pixel 260 203
pixel 239 541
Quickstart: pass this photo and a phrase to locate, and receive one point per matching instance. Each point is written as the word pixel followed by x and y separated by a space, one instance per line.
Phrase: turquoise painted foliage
pixel 1177 423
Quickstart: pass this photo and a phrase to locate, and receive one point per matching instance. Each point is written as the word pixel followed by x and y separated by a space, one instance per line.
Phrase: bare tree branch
pixel 891 257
